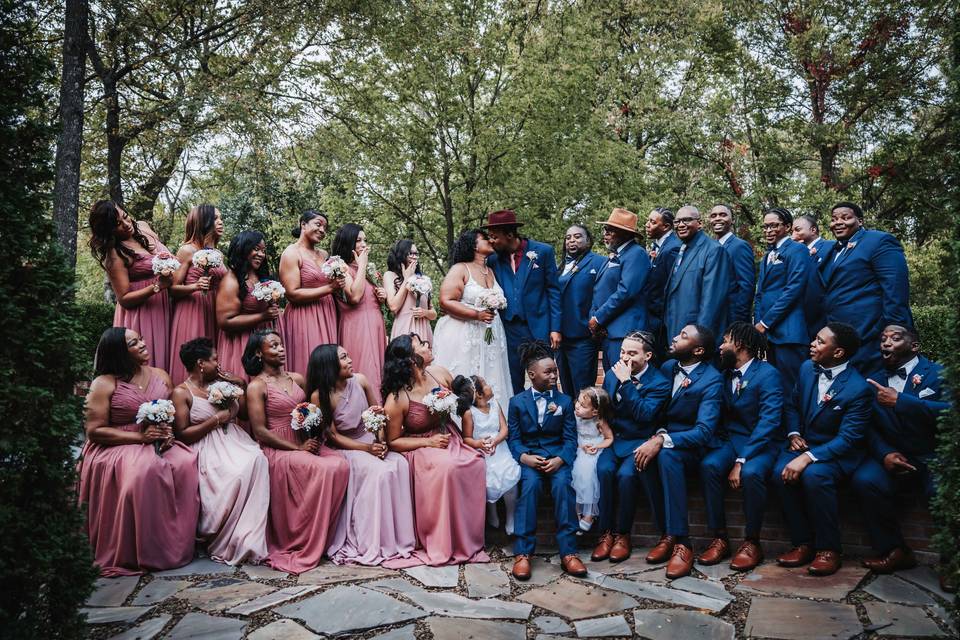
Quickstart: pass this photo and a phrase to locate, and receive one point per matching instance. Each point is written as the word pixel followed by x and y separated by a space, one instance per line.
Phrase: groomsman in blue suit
pixel 743 269
pixel 749 434
pixel 827 417
pixel 542 437
pixel 778 312
pixel 698 286
pixel 663 249
pixel 527 272
pixel 807 231
pixel 910 396
pixel 618 305
pixel 577 357
pixel 866 283
pixel 689 425
pixel 638 393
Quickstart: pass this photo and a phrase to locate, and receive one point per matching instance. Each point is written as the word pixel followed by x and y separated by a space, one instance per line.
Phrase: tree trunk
pixel 115 142
pixel 66 190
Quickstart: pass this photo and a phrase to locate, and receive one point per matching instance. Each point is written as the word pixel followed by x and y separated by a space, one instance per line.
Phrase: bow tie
pixel 570 259
pixel 900 373
pixel 824 372
pixel 678 369
pixel 546 395
pixel 736 373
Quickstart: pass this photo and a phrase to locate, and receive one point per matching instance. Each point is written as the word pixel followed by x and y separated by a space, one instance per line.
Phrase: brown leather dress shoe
pixel 573 565
pixel 661 552
pixel 602 550
pixel 898 559
pixel 521 567
pixel 681 562
pixel 826 563
pixel 748 556
pixel 796 557
pixel 620 550
pixel 716 551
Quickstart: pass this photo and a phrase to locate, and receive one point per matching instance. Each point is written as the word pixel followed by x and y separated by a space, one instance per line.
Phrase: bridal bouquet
pixel 420 285
pixel 334 267
pixel 490 301
pixel 164 264
pixel 269 290
pixel 441 401
pixel 374 422
pixel 307 416
pixel 373 276
pixel 221 394
pixel 157 412
pixel 207 259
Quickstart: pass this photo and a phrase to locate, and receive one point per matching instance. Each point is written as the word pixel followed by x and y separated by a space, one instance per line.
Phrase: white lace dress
pixel 503 472
pixel 584 472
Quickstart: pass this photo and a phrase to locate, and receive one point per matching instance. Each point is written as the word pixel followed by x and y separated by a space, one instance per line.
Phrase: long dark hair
pixel 465 247
pixel 103 220
pixel 238 258
pixel 399 362
pixel 345 241
pixel 112 357
pixel 306 217
pixel 251 360
pixel 397 258
pixel 465 391
pixel 199 224
pixel 323 371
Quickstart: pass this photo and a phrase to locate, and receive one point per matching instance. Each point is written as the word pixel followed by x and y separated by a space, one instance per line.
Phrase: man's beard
pixel 728 359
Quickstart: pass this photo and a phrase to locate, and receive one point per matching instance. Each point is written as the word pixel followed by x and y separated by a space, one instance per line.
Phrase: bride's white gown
pixel 459 346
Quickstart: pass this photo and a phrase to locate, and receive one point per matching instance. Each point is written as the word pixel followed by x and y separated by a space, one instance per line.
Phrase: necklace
pixel 133 380
pixel 278 383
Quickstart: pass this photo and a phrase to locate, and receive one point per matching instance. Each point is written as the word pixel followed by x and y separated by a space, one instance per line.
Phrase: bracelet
pixel 156 286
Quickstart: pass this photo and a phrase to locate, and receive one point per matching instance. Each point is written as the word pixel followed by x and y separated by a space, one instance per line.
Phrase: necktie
pixel 676 267
pixel 820 371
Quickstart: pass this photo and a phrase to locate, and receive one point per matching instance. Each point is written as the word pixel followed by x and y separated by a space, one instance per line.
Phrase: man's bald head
pixel 687 222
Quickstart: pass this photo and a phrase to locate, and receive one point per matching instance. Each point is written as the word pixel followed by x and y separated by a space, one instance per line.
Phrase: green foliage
pixel 45 565
pixel 933 323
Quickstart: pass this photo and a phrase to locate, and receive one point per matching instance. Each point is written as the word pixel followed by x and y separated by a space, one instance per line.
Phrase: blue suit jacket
pixel 693 414
pixel 911 426
pixel 660 268
pixel 835 430
pixel 780 293
pixel 867 286
pixel 532 293
pixel 618 303
pixel 813 297
pixel 698 289
pixel 752 418
pixel 637 413
pixel 557 436
pixel 576 295
pixel 743 271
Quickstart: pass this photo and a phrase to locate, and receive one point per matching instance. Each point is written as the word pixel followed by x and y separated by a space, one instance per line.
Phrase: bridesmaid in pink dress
pixel 310 318
pixel 362 332
pixel 193 291
pixel 234 474
pixel 308 480
pixel 412 313
pixel 376 524
pixel 449 477
pixel 125 248
pixel 239 314
pixel 142 508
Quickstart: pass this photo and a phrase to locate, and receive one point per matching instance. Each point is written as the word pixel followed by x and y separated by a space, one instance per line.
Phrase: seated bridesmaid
pixel 125 248
pixel 311 314
pixel 239 314
pixel 194 290
pixel 412 312
pixel 234 474
pixel 376 523
pixel 142 508
pixel 449 478
pixel 308 480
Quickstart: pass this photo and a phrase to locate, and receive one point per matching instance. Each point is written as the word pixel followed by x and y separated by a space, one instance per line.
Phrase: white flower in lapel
pixel 532 255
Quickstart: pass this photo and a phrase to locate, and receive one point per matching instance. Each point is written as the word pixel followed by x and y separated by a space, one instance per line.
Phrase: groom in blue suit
pixel 577 357
pixel 527 272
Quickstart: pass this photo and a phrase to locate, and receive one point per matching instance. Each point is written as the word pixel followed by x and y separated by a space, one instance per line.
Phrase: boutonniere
pixel 532 255
pixel 916 379
pixel 685 383
pixel 551 408
pixel 653 254
pixel 827 397
pixel 813 251
pixel 851 245
pixel 743 384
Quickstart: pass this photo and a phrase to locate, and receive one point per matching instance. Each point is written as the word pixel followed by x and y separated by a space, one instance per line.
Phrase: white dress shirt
pixel 541 405
pixel 659 241
pixel 898 383
pixel 723 239
pixel 677 382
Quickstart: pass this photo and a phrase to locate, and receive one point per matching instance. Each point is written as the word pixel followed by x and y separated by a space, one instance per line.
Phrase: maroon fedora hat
pixel 502 218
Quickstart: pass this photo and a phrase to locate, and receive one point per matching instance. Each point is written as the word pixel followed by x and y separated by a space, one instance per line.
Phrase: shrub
pixel 933 323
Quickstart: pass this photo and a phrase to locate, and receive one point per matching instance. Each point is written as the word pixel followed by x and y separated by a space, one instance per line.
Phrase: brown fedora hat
pixel 621 219
pixel 502 218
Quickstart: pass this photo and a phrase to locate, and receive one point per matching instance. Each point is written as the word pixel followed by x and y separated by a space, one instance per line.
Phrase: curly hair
pixel 193 351
pixel 399 364
pixel 238 258
pixel 104 216
pixel 465 247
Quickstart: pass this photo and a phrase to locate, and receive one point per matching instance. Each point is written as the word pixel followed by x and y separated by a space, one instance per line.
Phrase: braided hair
pixel 744 335
pixel 533 351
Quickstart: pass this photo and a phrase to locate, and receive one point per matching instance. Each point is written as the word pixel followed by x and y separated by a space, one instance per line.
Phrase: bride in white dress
pixel 458 342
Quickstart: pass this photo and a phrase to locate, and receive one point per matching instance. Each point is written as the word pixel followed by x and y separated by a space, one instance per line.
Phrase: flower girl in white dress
pixel 592 411
pixel 485 429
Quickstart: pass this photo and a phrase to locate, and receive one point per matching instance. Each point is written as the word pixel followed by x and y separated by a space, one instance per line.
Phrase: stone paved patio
pixel 211 601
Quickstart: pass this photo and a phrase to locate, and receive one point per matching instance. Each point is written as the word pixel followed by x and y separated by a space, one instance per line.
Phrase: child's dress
pixel 503 472
pixel 584 472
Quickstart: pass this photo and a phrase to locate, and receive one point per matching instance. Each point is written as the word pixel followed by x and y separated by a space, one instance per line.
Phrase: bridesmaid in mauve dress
pixel 141 508
pixel 376 524
pixel 193 291
pixel 234 474
pixel 308 480
pixel 449 477
pixel 412 313
pixel 362 332
pixel 239 314
pixel 310 318
pixel 125 248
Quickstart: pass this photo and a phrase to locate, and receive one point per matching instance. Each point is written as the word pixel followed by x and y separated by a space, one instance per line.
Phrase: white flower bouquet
pixel 491 301
pixel 269 290
pixel 221 393
pixel 307 416
pixel 164 264
pixel 441 401
pixel 334 267
pixel 156 412
pixel 374 422
pixel 420 285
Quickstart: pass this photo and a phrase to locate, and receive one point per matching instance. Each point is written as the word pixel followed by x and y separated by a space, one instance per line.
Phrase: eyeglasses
pixel 685 221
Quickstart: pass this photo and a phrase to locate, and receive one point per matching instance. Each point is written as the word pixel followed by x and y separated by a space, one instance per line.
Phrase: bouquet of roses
pixel 221 393
pixel 441 401
pixel 334 267
pixel 490 301
pixel 373 276
pixel 207 259
pixel 374 422
pixel 420 285
pixel 307 416
pixel 269 290
pixel 164 264
pixel 156 412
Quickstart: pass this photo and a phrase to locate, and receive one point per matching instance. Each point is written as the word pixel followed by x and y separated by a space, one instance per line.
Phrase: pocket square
pixel 838 408
pixel 926 392
pixel 593 271
pixel 611 265
pixel 558 412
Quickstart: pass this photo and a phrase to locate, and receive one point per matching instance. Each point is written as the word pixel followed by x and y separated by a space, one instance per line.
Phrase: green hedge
pixel 93 319
pixel 933 323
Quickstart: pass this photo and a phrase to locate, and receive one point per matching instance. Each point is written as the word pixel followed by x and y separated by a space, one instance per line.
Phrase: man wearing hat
pixel 618 305
pixel 527 272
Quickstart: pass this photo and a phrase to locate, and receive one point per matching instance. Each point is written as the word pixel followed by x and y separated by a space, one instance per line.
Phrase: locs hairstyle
pixel 113 357
pixel 103 220
pixel 744 335
pixel 345 241
pixel 238 258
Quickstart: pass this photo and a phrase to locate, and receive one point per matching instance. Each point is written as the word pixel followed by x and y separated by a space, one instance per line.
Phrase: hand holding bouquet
pixel 307 417
pixel 334 267
pixel 207 259
pixel 490 301
pixel 164 264
pixel 158 413
pixel 374 420
pixel 441 401
pixel 269 290
pixel 420 285
pixel 221 393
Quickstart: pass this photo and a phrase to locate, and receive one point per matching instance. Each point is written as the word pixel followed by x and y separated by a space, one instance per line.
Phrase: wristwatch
pixel 156 287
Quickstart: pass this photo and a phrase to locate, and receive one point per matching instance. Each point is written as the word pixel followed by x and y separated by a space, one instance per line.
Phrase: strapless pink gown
pixel 363 334
pixel 142 508
pixel 306 492
pixel 307 326
pixel 152 318
pixel 193 317
pixel 230 344
pixel 404 323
